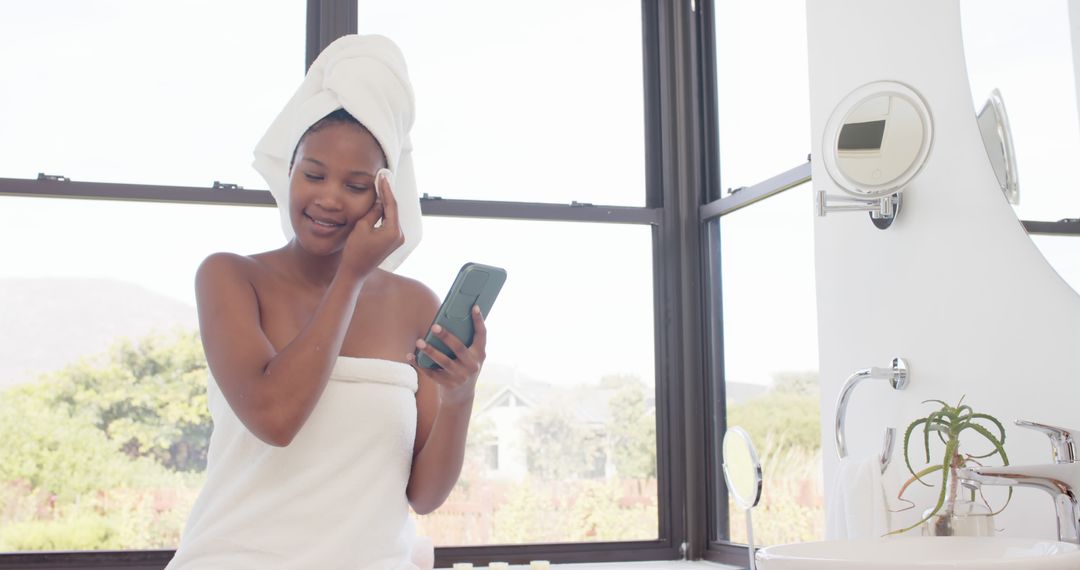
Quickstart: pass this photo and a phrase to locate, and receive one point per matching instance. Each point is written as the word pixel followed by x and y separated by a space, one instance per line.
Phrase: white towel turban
pixel 366 76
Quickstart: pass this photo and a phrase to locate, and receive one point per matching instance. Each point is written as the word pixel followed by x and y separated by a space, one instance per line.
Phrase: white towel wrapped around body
pixel 366 76
pixel 857 507
pixel 333 498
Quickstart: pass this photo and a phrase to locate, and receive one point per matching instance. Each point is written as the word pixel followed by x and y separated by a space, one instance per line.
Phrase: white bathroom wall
pixel 955 286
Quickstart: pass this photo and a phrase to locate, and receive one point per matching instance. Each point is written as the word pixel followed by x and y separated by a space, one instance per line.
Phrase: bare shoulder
pixel 235 267
pixel 416 300
pixel 225 270
pixel 224 264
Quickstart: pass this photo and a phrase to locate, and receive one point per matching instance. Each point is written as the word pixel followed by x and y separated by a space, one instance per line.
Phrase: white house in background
pixel 507 456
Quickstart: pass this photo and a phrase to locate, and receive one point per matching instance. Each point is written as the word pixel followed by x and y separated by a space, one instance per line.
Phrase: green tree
pixel 60 457
pixel 597 514
pixel 64 485
pixel 802 383
pixel 148 396
pixel 558 446
pixel 789 413
pixel 529 515
pixel 90 456
pixel 632 431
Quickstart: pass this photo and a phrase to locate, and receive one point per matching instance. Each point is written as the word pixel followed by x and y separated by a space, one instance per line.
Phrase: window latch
pixel 226 186
pixel 52 177
pixel 576 204
pixel 425 196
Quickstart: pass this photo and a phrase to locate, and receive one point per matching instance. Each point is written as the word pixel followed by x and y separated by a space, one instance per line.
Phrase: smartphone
pixel 476 284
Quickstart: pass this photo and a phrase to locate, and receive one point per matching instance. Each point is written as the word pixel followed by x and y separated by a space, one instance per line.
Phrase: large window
pixel 563 441
pixel 558 140
pixel 770 361
pixel 144 92
pixel 103 420
pixel 763 100
pixel 534 102
pixel 91 338
pixel 762 266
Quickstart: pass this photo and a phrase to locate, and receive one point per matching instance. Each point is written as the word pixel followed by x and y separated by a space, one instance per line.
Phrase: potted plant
pixel 956 511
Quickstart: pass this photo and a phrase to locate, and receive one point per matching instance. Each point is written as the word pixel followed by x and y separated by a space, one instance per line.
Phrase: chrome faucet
pixel 1061 479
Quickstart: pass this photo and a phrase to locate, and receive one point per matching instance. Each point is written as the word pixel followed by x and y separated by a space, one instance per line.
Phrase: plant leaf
pixel 912 479
pixel 998 448
pixel 993 420
pixel 931 425
pixel 907 439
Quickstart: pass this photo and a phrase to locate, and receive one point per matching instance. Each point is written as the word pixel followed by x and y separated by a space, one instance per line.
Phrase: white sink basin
pixel 922 553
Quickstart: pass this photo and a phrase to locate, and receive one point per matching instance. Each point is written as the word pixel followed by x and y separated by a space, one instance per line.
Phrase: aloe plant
pixel 948 423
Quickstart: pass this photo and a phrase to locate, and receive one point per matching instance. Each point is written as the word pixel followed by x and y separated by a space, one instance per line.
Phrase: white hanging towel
pixel 857 507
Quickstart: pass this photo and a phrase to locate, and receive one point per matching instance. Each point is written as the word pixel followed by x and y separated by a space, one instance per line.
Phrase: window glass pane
pixel 1026 52
pixel 144 92
pixel 1063 253
pixel 562 445
pixel 539 103
pixel 771 361
pixel 763 94
pixel 109 452
pixel 103 418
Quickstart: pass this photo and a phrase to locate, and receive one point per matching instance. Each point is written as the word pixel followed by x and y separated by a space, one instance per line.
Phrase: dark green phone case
pixel 476 284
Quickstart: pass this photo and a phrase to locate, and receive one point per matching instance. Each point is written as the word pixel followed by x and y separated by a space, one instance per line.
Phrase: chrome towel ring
pixel 897 377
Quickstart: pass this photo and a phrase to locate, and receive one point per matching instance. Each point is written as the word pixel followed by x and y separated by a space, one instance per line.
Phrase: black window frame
pixel 716 204
pixel 682 182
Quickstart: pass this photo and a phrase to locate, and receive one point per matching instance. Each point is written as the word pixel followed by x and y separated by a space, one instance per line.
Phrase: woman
pixel 325 429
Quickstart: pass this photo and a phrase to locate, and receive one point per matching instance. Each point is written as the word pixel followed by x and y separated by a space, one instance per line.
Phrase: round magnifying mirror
pixel 742 470
pixel 877 139
pixel 997 138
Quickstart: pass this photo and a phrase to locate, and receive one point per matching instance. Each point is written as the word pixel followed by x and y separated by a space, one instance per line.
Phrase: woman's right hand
pixel 367 246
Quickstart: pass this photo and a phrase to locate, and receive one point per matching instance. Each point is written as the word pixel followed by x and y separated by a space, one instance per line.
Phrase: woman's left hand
pixel 457 376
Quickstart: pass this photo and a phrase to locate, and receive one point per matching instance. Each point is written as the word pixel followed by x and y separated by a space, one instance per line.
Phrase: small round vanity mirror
pixel 997 138
pixel 742 470
pixel 877 139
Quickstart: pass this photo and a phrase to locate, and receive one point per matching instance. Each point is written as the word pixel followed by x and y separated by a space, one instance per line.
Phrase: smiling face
pixel 332 184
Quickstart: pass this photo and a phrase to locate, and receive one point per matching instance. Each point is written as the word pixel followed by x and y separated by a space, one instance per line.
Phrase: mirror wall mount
pixel 876 141
pixel 997 139
pixel 882 210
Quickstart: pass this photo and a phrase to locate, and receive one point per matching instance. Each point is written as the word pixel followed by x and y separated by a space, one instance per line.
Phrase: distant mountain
pixel 47 323
pixel 738 392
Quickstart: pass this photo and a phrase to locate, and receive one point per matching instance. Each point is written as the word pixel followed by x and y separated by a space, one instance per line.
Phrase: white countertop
pixel 646 565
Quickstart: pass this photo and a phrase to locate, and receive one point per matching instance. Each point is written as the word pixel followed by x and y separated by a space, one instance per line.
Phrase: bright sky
pixel 153 92
pixel 126 92
pixel 767 253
